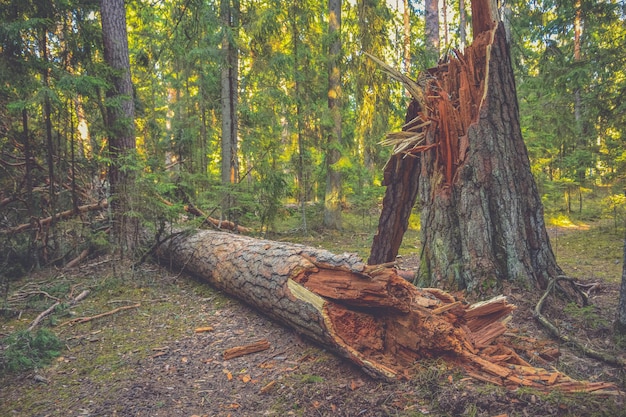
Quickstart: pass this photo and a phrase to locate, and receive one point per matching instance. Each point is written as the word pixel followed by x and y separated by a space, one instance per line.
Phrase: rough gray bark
pixel 120 122
pixel 482 217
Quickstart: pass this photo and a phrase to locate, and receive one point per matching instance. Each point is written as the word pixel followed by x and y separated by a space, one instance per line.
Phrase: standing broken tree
pixel 481 214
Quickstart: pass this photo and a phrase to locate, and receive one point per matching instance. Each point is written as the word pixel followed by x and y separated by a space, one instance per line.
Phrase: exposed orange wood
pixel 238 351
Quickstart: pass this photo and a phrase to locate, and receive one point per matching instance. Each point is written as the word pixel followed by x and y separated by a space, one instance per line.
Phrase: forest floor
pixel 150 361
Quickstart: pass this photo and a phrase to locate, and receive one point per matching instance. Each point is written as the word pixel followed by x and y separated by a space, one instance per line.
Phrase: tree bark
pixel 481 218
pixel 432 29
pixel 120 116
pixel 368 314
pixel 401 179
pixel 620 324
pixel 332 196
pixel 229 14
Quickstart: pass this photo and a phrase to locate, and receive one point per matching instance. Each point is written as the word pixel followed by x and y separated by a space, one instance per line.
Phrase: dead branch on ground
pixel 80 320
pixel 554 331
pixel 50 309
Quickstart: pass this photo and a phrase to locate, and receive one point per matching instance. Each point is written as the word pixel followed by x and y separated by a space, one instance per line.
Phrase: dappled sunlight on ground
pixel 561 220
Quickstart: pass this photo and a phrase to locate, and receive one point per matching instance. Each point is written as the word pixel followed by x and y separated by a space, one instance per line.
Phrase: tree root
pixel 601 356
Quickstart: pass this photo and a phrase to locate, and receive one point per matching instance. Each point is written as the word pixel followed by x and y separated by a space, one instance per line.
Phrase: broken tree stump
pixel 366 313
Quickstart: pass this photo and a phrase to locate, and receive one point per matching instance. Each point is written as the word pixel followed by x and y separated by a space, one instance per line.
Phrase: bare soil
pixel 150 361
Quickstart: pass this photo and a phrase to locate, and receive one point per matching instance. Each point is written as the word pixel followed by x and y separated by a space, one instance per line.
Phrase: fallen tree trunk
pixel 366 313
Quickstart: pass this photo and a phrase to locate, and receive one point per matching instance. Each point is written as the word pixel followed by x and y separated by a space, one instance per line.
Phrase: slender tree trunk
pixel 406 45
pixel 462 25
pixel 230 82
pixel 620 324
pixel 28 164
pixel 120 117
pixel 47 116
pixel 432 29
pixel 332 197
pixel 302 175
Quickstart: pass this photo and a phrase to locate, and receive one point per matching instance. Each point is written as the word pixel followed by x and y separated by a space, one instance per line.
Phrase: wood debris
pixel 238 351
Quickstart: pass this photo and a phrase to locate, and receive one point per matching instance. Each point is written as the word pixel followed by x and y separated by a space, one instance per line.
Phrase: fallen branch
pixel 50 309
pixel 76 261
pixel 554 331
pixel 38 223
pixel 219 224
pixel 80 320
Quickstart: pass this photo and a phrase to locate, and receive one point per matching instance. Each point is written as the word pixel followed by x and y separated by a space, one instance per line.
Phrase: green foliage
pixel 24 350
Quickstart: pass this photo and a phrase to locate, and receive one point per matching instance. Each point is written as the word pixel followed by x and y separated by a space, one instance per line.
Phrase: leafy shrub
pixel 25 350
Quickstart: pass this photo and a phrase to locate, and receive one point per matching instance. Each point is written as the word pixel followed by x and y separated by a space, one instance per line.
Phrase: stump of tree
pixel 462 155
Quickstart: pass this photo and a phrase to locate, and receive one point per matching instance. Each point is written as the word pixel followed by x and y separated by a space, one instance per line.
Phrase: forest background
pixel 569 65
pixel 262 113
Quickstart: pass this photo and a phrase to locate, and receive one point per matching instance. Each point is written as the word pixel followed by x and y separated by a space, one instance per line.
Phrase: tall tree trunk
pixel 230 83
pixel 47 117
pixel 332 197
pixel 406 44
pixel 462 25
pixel 120 117
pixel 620 324
pixel 28 154
pixel 432 29
pixel 482 218
pixel 302 172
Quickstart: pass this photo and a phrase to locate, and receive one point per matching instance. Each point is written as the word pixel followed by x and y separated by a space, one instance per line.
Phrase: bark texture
pixel 368 314
pixel 401 177
pixel 332 197
pixel 120 121
pixel 482 218
pixel 621 309
pixel 481 214
pixel 229 14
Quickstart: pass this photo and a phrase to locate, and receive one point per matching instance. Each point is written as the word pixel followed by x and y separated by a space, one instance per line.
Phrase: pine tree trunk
pixel 230 97
pixel 485 223
pixel 401 177
pixel 120 117
pixel 367 314
pixel 432 29
pixel 332 196
pixel 482 218
pixel 620 324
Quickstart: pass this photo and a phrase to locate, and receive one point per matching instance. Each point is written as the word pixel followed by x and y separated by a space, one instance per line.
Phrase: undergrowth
pixel 24 350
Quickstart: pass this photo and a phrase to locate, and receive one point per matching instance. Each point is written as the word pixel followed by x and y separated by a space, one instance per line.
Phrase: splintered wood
pixel 366 313
pixel 238 351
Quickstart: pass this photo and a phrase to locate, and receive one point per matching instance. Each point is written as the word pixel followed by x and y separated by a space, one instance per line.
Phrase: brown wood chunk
pixel 238 351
